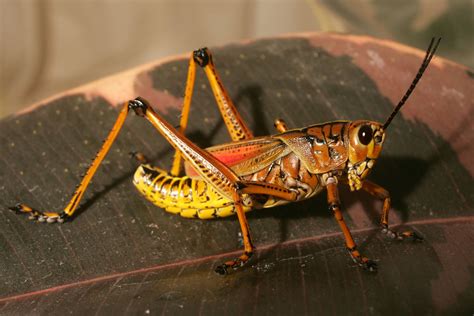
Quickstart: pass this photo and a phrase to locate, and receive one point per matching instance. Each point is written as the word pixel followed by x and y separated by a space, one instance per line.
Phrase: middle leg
pixel 335 207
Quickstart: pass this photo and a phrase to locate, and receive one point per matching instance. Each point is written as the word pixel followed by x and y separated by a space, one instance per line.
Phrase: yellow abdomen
pixel 182 195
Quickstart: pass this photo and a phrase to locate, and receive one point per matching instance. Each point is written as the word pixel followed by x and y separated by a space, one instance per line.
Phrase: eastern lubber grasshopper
pixel 252 172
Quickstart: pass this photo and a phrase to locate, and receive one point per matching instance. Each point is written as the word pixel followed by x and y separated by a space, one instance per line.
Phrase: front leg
pixel 379 192
pixel 335 207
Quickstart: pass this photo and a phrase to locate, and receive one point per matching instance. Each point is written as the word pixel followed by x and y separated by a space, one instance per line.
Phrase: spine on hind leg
pixel 181 195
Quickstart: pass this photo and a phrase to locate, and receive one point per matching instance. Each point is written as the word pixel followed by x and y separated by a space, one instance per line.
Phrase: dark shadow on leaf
pixel 99 193
pixel 253 93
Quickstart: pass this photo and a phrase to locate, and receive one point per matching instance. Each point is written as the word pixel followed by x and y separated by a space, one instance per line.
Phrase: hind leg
pixel 236 126
pixel 51 217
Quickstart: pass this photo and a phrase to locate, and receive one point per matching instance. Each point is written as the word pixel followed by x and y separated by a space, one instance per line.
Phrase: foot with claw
pixel 364 262
pixel 234 264
pixel 401 236
pixel 48 217
pixel 367 264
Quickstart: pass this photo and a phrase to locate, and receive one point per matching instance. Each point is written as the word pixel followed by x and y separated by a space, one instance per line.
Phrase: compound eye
pixel 365 134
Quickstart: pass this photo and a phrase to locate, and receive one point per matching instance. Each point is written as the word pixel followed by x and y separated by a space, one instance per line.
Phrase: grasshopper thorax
pixel 365 140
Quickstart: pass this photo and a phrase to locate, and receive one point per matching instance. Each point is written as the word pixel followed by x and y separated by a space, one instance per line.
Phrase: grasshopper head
pixel 365 144
pixel 366 137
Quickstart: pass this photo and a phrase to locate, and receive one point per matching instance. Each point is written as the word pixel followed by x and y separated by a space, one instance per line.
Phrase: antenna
pixel 426 61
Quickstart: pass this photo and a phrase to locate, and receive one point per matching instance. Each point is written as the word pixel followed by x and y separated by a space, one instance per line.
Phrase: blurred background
pixel 49 46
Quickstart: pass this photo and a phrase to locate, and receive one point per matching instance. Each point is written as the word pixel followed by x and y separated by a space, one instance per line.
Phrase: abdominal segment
pixel 193 198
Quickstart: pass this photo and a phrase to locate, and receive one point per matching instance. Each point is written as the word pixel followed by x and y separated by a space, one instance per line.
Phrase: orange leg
pixel 335 207
pixel 379 192
pixel 183 123
pixel 251 188
pixel 68 211
pixel 236 126
pixel 248 246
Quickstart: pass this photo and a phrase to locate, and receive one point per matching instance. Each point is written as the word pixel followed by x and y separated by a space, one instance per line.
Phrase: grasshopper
pixel 252 172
